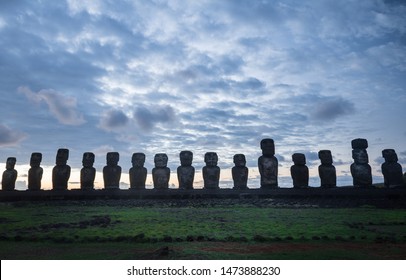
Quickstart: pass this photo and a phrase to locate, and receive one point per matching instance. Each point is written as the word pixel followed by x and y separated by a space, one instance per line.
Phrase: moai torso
pixel 240 172
pixel 161 173
pixel 61 172
pixel 299 171
pixel 391 169
pixel 186 172
pixel 360 169
pixel 9 175
pixel 35 172
pixel 268 165
pixel 327 172
pixel 112 171
pixel 211 172
pixel 138 173
pixel 88 172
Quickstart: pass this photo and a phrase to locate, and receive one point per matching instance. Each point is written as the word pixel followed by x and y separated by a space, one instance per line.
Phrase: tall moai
pixel 112 171
pixel 88 172
pixel 240 172
pixel 391 169
pixel 161 172
pixel 268 165
pixel 299 171
pixel 61 171
pixel 327 171
pixel 35 172
pixel 9 178
pixel 138 173
pixel 186 172
pixel 211 172
pixel 360 169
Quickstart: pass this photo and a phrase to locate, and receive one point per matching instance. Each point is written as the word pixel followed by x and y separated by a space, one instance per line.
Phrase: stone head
pixel 138 159
pixel 112 158
pixel 211 159
pixel 35 159
pixel 268 147
pixel 88 159
pixel 359 143
pixel 62 156
pixel 239 160
pixel 325 157
pixel 360 156
pixel 299 159
pixel 161 160
pixel 390 155
pixel 11 162
pixel 186 158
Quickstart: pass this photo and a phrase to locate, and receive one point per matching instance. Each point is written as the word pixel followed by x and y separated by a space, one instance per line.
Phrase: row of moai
pixel 267 165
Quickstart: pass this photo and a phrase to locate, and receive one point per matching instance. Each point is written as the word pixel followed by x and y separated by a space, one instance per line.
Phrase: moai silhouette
pixel 391 169
pixel 112 171
pixel 35 172
pixel 61 171
pixel 138 173
pixel 327 171
pixel 186 172
pixel 9 175
pixel 268 165
pixel 360 169
pixel 240 172
pixel 299 171
pixel 88 172
pixel 161 173
pixel 211 172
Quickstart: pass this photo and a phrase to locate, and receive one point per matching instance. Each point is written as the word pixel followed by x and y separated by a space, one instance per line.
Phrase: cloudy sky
pixel 165 76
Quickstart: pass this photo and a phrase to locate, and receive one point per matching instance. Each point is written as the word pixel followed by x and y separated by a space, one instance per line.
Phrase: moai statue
pixel 327 171
pixel 138 173
pixel 186 172
pixel 211 172
pixel 112 171
pixel 391 169
pixel 88 172
pixel 268 165
pixel 61 172
pixel 299 171
pixel 35 172
pixel 240 172
pixel 9 175
pixel 161 172
pixel 360 169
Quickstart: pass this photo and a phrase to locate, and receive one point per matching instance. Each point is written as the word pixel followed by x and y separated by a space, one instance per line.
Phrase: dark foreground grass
pixel 216 229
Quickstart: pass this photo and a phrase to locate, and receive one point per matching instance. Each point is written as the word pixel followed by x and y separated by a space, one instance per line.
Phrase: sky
pixel 205 76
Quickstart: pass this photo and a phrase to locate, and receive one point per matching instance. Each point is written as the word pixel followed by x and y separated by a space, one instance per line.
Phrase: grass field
pixel 214 229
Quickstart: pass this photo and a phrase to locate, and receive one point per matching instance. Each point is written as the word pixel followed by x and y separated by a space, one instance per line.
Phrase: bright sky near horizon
pixel 165 76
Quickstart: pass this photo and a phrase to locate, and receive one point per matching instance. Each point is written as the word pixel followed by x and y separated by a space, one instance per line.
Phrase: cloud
pixel 63 108
pixel 147 118
pixel 9 137
pixel 327 109
pixel 113 120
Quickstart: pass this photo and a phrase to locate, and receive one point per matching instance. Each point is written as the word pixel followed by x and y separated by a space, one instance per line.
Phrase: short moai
pixel 391 169
pixel 360 169
pixel 327 171
pixel 112 171
pixel 88 172
pixel 161 172
pixel 186 172
pixel 211 172
pixel 61 171
pixel 35 172
pixel 299 171
pixel 268 165
pixel 138 173
pixel 240 172
pixel 9 175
